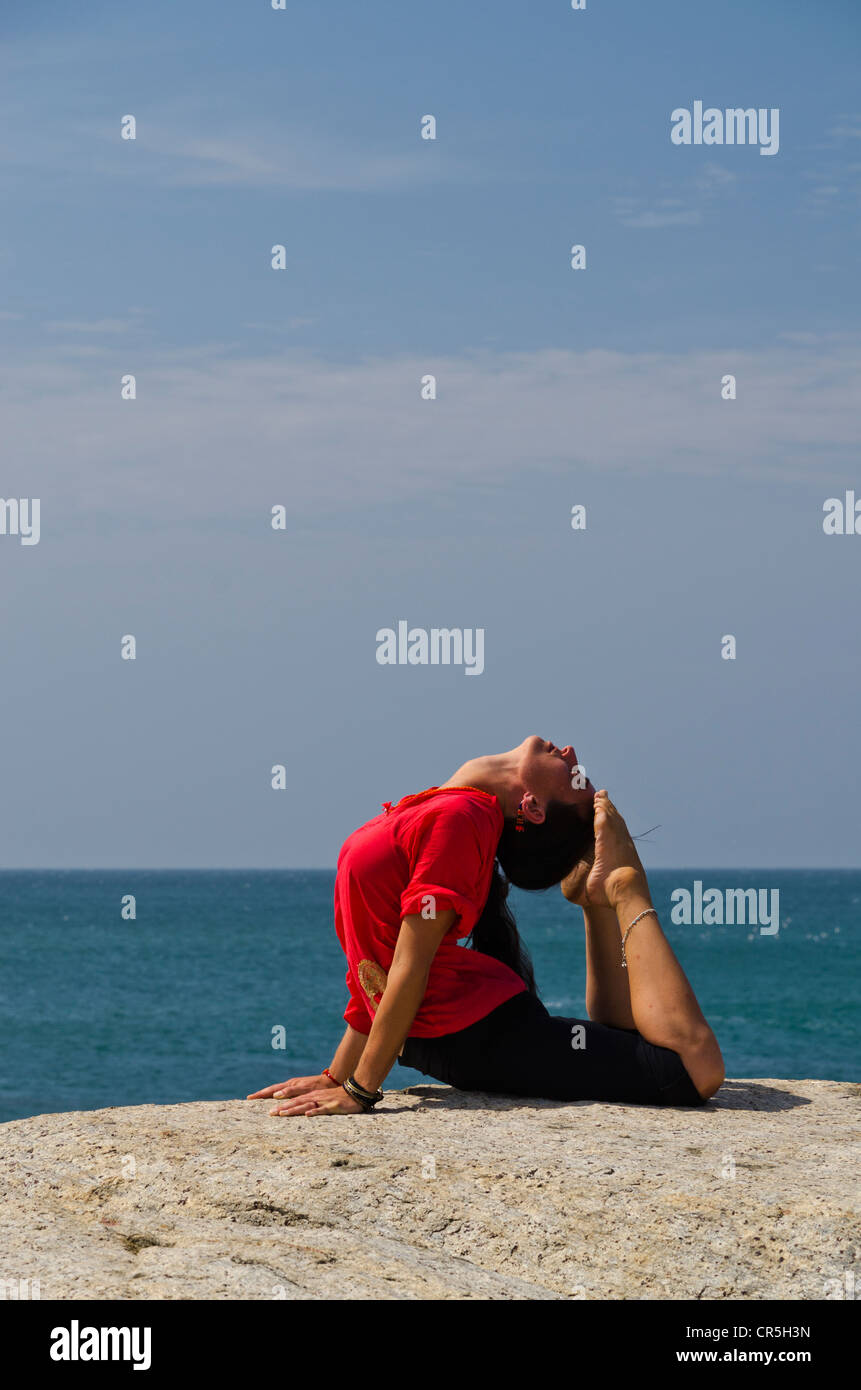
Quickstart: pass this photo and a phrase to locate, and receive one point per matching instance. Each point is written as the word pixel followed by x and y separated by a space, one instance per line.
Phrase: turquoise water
pixel 180 1004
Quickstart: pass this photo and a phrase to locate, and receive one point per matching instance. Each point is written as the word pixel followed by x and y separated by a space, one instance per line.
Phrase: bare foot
pixel 617 862
pixel 574 886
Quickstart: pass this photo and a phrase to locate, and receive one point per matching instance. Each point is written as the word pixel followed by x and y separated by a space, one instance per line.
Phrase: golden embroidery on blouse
pixel 373 979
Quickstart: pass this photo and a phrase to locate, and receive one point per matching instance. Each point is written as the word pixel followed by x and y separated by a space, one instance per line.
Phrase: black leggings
pixel 520 1049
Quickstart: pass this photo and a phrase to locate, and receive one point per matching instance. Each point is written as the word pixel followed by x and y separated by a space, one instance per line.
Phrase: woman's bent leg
pixel 522 1050
pixel 664 1007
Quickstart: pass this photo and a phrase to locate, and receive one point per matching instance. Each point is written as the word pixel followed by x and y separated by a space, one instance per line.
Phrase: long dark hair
pixel 533 858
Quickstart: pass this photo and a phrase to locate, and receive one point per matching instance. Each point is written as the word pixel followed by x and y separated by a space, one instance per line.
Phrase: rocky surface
pixel 440 1194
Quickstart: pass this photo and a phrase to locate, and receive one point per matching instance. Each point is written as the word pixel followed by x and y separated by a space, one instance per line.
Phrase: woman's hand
pixel 617 866
pixel 296 1086
pixel 331 1101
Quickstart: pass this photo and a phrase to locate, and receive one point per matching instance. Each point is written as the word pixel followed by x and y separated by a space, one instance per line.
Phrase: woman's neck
pixel 497 773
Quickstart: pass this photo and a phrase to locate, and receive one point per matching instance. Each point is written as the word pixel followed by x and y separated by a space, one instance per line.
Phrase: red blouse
pixel 431 851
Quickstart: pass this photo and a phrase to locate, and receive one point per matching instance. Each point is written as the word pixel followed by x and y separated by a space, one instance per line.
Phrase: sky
pixel 405 257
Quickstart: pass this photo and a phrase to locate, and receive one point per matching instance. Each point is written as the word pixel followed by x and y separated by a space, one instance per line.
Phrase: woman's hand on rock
pixel 331 1101
pixel 296 1086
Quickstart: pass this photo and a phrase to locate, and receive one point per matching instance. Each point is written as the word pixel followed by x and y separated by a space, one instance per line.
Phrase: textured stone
pixel 440 1194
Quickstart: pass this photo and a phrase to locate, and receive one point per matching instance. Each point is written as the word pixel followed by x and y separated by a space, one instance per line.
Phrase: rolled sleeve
pixel 415 900
pixel 450 870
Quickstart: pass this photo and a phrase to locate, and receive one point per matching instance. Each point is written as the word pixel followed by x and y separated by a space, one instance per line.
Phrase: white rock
pixel 440 1194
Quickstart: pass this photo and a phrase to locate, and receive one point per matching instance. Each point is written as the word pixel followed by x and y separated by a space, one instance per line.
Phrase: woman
pixel 421 876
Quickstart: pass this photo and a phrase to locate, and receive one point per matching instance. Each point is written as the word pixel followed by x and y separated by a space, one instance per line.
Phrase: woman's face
pixel 548 772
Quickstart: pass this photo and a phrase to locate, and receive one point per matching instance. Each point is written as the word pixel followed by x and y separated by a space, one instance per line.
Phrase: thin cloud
pixel 830 189
pixel 690 217
pixel 688 210
pixel 211 436
pixel 714 177
pixel 849 129
pixel 90 325
pixel 169 152
pixel 294 160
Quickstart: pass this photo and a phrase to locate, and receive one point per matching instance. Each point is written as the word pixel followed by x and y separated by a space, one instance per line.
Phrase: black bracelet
pixel 368 1095
pixel 363 1104
pixel 367 1099
pixel 360 1100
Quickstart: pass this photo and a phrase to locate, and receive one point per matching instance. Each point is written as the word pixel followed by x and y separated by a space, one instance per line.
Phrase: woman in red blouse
pixel 427 873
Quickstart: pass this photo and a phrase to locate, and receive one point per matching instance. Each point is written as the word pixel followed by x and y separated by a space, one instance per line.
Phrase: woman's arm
pixel 343 1064
pixel 417 944
pixel 350 1049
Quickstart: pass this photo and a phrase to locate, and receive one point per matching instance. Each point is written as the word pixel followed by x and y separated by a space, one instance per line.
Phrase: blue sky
pixel 556 387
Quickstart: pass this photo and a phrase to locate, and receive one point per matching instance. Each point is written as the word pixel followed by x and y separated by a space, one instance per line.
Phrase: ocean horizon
pixel 184 1001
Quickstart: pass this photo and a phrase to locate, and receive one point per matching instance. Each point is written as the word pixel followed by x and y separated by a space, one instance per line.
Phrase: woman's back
pixel 431 852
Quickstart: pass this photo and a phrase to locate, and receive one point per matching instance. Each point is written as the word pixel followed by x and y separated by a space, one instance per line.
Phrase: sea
pixel 224 982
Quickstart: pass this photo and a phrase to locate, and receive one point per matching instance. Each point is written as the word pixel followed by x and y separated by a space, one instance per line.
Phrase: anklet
pixel 644 913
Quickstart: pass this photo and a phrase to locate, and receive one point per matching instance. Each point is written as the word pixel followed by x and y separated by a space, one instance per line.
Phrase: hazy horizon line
pixel 331 869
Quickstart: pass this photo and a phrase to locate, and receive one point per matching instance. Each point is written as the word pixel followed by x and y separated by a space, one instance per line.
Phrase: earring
pixel 519 823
